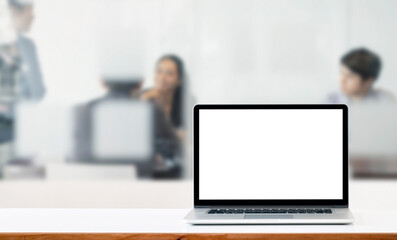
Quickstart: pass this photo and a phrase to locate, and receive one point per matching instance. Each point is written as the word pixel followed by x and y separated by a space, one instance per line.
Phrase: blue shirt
pixel 31 82
pixel 374 96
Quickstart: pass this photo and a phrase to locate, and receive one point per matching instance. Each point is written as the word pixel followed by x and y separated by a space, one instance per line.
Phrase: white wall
pixel 267 51
pixel 373 24
pixel 235 50
pixel 74 38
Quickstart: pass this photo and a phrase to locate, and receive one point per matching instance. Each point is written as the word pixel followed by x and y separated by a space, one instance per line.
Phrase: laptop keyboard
pixel 270 211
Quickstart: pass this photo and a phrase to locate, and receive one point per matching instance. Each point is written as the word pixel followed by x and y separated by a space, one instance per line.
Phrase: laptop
pixel 270 164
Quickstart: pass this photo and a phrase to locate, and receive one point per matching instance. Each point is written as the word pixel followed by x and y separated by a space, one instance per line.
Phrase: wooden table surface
pixel 194 236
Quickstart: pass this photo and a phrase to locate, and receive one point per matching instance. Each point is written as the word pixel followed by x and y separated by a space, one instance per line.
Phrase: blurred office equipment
pixel 122 130
pixel 44 141
pixel 373 140
pixel 114 128
pixel 42 131
pixel 42 135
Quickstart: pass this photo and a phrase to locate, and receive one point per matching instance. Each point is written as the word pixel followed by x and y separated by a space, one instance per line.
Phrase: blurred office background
pixel 233 51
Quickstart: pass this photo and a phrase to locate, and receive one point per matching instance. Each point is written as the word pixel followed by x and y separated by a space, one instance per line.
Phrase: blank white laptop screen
pixel 260 154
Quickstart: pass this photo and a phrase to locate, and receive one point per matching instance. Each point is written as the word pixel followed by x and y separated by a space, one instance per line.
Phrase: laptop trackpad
pixel 269 216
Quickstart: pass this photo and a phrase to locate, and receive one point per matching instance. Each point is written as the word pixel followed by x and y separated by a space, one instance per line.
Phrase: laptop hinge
pixel 272 206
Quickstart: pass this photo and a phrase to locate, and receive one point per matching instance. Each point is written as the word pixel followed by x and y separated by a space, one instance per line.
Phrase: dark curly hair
pixel 364 62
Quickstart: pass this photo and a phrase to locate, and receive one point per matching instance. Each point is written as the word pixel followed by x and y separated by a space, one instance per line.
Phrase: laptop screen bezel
pixel 271 202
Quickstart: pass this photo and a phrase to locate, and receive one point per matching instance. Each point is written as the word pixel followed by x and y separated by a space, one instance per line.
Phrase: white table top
pixel 373 203
pixel 169 221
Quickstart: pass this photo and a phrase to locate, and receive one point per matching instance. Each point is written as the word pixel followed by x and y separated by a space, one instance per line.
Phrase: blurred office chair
pixel 373 140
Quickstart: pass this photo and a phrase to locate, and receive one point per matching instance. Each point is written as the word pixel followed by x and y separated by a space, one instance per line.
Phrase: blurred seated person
pixel 167 92
pixel 360 69
pixel 166 163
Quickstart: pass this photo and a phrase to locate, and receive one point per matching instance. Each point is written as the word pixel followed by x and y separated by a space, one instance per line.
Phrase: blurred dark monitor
pixel 122 83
